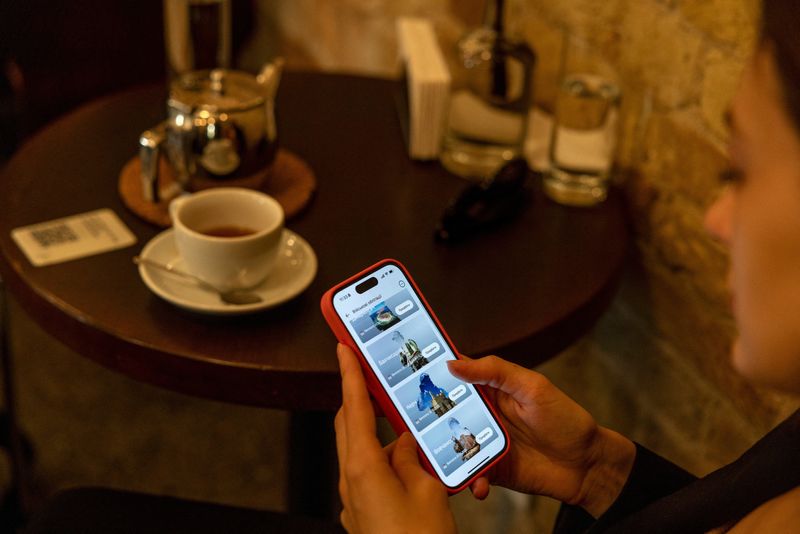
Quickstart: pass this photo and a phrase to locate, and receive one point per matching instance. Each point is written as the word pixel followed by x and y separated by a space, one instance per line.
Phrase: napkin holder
pixel 424 103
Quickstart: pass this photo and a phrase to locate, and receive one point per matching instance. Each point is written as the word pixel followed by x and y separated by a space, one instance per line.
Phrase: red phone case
pixel 373 384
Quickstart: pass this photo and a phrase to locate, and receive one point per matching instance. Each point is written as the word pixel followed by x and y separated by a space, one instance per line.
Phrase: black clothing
pixel 662 497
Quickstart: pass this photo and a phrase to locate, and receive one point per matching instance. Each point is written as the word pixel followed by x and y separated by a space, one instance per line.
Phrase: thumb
pixel 405 461
pixel 480 488
pixel 496 373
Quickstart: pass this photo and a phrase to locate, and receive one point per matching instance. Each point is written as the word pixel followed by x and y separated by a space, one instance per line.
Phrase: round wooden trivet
pixel 289 180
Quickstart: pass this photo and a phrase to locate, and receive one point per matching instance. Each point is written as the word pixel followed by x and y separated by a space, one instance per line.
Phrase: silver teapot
pixel 220 124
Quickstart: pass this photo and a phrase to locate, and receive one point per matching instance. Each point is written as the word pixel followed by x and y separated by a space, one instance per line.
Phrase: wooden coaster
pixel 289 180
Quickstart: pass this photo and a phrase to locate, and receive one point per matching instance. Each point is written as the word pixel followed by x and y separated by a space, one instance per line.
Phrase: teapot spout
pixel 270 77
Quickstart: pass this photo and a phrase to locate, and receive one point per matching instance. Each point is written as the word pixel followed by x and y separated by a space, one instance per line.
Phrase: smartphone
pixel 381 314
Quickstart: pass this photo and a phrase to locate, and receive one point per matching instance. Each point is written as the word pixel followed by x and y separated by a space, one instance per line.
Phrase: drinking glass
pixel 585 130
pixel 197 35
pixel 490 99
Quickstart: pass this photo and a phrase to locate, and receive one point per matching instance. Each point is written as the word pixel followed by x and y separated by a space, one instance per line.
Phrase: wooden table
pixel 524 291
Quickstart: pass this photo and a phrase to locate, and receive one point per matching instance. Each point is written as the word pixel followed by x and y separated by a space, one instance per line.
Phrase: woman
pixel 607 482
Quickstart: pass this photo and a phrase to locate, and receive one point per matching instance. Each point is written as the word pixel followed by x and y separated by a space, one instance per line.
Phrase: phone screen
pixel 408 354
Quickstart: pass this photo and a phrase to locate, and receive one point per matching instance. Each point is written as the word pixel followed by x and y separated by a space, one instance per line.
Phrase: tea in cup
pixel 228 236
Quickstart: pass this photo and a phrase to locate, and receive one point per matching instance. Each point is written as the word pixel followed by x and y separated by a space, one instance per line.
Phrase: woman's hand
pixel 556 447
pixel 382 490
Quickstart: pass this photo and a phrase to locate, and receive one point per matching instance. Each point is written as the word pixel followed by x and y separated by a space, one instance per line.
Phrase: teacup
pixel 228 236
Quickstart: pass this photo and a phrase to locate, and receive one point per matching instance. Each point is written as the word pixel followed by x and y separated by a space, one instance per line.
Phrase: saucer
pixel 293 272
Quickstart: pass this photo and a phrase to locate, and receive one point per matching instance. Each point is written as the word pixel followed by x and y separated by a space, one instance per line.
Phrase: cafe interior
pixel 559 228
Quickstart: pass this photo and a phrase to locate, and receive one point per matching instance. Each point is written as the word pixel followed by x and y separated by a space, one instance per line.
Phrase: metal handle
pixel 149 153
pixel 138 260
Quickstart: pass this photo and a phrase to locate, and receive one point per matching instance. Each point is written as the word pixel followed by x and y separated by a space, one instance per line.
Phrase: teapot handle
pixel 149 152
pixel 270 77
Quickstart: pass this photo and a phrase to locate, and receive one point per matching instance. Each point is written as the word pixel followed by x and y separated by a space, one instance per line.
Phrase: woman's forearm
pixel 612 462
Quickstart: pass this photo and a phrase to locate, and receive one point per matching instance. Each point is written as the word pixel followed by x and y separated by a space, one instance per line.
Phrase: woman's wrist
pixel 609 467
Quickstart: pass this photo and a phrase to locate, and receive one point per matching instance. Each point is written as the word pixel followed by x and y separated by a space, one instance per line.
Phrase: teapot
pixel 220 124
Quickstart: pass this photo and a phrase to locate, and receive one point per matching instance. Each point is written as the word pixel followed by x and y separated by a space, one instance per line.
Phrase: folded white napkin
pixel 428 80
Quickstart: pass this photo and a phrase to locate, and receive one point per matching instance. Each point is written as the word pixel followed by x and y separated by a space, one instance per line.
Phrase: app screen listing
pixel 404 348
pixel 407 348
pixel 431 394
pixel 459 437
pixel 378 315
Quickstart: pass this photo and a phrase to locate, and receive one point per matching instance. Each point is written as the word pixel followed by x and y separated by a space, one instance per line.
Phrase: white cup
pixel 228 236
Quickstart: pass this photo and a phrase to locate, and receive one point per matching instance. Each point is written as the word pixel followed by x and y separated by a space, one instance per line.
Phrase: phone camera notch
pixel 366 285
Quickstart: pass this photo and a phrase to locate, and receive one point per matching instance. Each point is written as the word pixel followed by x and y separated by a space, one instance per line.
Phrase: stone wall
pixel 657 365
pixel 679 62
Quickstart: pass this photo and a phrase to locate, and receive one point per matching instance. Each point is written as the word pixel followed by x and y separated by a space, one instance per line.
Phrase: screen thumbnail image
pixel 431 394
pixel 384 314
pixel 406 350
pixel 458 437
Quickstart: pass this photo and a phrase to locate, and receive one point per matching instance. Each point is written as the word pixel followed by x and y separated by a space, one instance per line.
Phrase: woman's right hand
pixel 556 447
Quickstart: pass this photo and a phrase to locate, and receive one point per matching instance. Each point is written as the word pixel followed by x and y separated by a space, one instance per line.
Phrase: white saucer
pixel 294 271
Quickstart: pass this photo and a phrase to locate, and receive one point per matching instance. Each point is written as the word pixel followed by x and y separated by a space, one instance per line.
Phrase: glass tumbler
pixel 585 132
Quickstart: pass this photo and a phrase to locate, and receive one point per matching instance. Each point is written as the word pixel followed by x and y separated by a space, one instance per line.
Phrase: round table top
pixel 525 290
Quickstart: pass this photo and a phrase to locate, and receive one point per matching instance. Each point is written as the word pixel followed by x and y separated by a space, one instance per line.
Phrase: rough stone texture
pixel 731 22
pixel 678 157
pixel 549 46
pixel 721 74
pixel 356 35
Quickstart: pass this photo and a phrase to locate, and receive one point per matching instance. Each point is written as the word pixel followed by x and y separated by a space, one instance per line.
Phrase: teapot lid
pixel 218 90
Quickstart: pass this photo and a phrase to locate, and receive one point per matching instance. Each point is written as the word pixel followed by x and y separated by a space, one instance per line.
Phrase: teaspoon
pixel 234 296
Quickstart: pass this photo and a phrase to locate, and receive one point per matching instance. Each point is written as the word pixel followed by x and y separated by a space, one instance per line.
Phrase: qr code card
pixel 73 237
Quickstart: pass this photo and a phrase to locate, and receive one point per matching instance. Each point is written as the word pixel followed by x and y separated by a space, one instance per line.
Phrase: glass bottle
pixel 491 96
pixel 197 35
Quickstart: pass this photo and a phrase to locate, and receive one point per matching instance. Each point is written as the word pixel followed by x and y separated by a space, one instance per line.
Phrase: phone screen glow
pixel 407 352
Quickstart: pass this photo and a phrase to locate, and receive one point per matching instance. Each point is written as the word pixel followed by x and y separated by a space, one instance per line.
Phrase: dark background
pixel 58 54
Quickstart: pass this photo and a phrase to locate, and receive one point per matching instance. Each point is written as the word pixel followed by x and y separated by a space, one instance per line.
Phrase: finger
pixel 365 464
pixel 347 523
pixel 389 449
pixel 359 419
pixel 341 436
pixel 341 453
pixel 377 408
pixel 495 372
pixel 480 488
pixel 405 462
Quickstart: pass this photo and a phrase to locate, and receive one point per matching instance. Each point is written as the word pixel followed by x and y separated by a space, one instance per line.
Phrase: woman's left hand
pixel 382 490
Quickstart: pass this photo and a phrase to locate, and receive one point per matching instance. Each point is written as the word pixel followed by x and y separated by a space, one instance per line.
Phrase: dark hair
pixel 780 27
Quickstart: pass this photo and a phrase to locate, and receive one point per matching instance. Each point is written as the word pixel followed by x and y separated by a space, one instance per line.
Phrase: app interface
pixel 407 352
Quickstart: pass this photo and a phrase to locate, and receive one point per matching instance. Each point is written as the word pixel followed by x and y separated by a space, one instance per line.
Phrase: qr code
pixel 54 235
